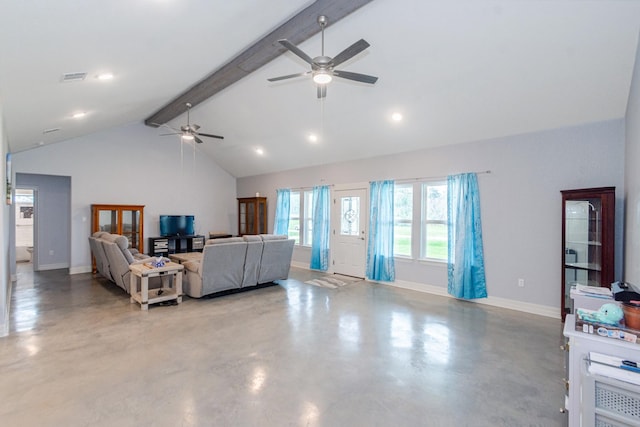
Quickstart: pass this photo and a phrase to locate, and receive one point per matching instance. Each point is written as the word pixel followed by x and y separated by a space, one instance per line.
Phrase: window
pixel 308 218
pixel 403 218
pixel 294 216
pixel 434 221
pixel 301 217
pixel 420 220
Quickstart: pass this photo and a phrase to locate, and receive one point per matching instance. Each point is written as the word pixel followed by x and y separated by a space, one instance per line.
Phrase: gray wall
pixel 5 271
pixel 53 217
pixel 520 199
pixel 133 165
pixel 632 180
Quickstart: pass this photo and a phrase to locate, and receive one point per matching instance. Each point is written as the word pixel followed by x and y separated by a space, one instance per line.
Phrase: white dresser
pixel 599 399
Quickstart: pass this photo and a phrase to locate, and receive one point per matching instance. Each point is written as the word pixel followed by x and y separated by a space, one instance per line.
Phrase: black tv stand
pixel 163 246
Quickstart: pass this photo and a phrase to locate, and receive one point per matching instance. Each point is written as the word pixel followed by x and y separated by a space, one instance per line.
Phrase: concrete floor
pixel 289 355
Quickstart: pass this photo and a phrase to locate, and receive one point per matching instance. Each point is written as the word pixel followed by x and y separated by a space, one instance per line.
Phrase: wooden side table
pixel 170 270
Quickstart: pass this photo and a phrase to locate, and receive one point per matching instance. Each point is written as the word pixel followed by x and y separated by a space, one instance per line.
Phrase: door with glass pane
pixel 349 230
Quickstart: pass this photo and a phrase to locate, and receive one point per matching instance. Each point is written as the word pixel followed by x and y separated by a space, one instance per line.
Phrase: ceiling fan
pixel 189 132
pixel 323 67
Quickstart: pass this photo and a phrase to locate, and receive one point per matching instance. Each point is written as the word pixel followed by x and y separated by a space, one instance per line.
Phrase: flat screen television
pixel 177 225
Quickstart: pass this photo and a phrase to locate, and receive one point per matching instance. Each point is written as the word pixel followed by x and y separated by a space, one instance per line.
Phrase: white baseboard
pixel 540 310
pixel 80 270
pixel 4 326
pixel 298 264
pixel 53 266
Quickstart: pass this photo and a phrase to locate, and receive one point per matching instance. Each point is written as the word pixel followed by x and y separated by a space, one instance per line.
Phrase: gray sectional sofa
pixel 237 263
pixel 113 257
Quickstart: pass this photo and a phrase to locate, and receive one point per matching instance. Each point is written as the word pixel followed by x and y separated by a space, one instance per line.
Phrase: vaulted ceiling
pixel 457 71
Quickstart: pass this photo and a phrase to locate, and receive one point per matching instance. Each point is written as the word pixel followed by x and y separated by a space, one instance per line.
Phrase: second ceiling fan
pixel 190 132
pixel 323 67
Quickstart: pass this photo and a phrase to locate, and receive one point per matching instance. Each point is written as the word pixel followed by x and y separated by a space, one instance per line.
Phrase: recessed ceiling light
pixel 105 76
pixel 313 137
pixel 259 151
pixel 396 117
pixel 79 115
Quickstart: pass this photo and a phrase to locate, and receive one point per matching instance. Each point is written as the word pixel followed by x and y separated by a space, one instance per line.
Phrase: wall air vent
pixel 73 77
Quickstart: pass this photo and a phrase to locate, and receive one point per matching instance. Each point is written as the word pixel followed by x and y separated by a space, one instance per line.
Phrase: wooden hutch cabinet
pixel 588 235
pixel 127 220
pixel 252 215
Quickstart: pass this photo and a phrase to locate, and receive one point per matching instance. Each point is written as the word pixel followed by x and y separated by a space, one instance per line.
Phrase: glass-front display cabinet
pixel 252 215
pixel 127 220
pixel 588 227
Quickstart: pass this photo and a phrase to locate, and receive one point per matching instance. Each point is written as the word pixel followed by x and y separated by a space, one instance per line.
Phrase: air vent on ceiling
pixel 50 130
pixel 73 77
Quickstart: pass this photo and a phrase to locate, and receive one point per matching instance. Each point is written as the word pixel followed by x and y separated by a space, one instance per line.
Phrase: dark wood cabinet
pixel 252 215
pixel 588 235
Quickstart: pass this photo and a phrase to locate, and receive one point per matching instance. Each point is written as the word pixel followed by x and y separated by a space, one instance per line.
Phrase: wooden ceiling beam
pixel 297 29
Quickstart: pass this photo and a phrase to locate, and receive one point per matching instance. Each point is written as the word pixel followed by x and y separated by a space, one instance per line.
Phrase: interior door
pixel 349 231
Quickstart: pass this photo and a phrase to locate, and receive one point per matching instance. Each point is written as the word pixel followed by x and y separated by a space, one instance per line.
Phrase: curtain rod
pixel 307 188
pixel 421 178
pixel 435 178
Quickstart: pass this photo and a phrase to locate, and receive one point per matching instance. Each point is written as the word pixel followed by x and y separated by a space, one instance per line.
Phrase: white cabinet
pixel 598 399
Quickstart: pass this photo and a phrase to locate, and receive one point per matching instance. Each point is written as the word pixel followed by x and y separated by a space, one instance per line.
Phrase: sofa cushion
pixel 252 260
pixel 274 237
pixel 221 268
pixel 224 240
pixel 276 260
pixel 123 244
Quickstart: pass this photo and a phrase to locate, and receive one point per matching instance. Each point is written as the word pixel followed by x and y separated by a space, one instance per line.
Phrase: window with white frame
pixel 294 216
pixel 420 220
pixel 301 217
pixel 402 219
pixel 434 221
pixel 308 218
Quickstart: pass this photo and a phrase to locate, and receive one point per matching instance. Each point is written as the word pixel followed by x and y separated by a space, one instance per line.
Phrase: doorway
pixel 24 204
pixel 350 228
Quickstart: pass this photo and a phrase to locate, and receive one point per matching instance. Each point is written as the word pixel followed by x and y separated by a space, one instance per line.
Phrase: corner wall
pixel 5 275
pixel 520 202
pixel 632 179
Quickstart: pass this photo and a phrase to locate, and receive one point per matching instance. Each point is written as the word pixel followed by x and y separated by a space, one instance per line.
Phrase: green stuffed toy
pixel 609 314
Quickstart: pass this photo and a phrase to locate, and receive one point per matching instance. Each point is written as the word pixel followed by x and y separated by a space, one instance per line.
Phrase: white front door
pixel 349 231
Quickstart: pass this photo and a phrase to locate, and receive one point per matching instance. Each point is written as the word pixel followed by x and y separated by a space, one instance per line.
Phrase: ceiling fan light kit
pixel 322 78
pixel 189 132
pixel 323 67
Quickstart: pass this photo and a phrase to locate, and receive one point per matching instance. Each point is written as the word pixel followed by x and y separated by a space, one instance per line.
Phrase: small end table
pixel 144 271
